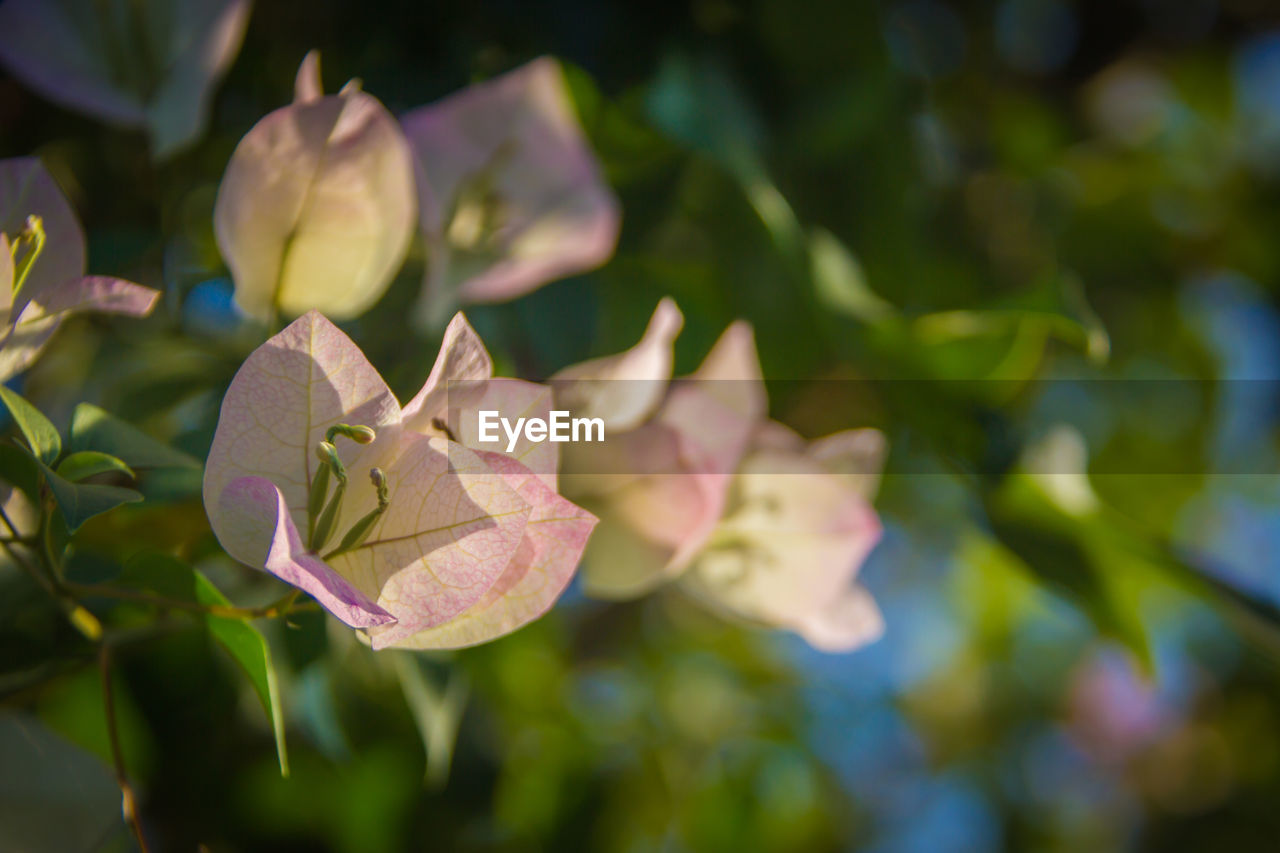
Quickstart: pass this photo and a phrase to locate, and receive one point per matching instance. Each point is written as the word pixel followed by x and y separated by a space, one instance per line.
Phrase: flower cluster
pixel 397 519
pixel 697 486
pixel 387 516
pixel 321 197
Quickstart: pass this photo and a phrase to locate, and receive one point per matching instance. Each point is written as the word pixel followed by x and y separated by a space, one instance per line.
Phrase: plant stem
pixel 281 607
pixel 83 621
pixel 53 562
pixel 129 803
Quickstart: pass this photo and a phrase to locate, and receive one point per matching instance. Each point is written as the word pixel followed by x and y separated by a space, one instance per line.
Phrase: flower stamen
pixel 322 528
pixel 29 244
pixel 360 530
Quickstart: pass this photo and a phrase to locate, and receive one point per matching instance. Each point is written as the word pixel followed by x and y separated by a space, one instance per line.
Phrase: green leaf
pixel 80 502
pixel 839 282
pixel 1055 307
pixel 437 712
pixel 87 463
pixel 245 643
pixel 20 470
pixel 53 794
pixel 1054 553
pixel 171 578
pixel 95 429
pixel 41 435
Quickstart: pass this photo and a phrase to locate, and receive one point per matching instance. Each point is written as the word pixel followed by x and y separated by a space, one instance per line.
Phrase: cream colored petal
pixel 787 552
pixel 624 389
pixel 307 85
pixel 851 621
pixel 317 208
pixel 658 498
pixel 549 553
pixel 451 530
pixel 462 359
pixel 511 399
pixel 549 212
pixel 284 397
pixel 254 518
pixel 857 454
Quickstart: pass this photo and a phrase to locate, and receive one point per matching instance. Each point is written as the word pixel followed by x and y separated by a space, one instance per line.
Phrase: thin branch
pixel 281 607
pixel 83 621
pixel 53 562
pixel 13 531
pixel 21 562
pixel 128 802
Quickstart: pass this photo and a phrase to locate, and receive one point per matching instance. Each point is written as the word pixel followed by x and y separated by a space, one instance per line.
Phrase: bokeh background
pixel 1077 202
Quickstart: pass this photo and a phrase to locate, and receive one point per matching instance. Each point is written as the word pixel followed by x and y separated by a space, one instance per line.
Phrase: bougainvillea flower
pixel 511 195
pixel 625 390
pixel 444 545
pixel 659 487
pixel 317 206
pixel 42 278
pixel 151 65
pixel 797 529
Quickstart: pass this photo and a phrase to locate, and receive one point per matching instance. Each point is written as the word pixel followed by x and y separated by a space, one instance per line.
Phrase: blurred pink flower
pixel 798 527
pixel 316 208
pixel 659 480
pixel 511 195
pixel 149 65
pixel 445 546
pixel 694 485
pixel 1113 711
pixel 52 283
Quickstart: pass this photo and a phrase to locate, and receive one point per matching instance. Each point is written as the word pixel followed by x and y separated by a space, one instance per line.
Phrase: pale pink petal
pixel 852 620
pixel 853 451
pixel 789 548
pixel 624 389
pixel 600 468
pixel 74 55
pixel 256 529
pixel 731 373
pixel 555 216
pixel 6 275
pixel 660 489
pixel 511 399
pixel 772 435
pixel 45 46
pixel 201 41
pixel 21 344
pixel 451 529
pixel 317 207
pixel 286 394
pixel 94 293
pixel 307 86
pixel 698 411
pixel 551 548
pixel 658 498
pixel 27 189
pixel 462 357
pixel 857 454
pixel 679 492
